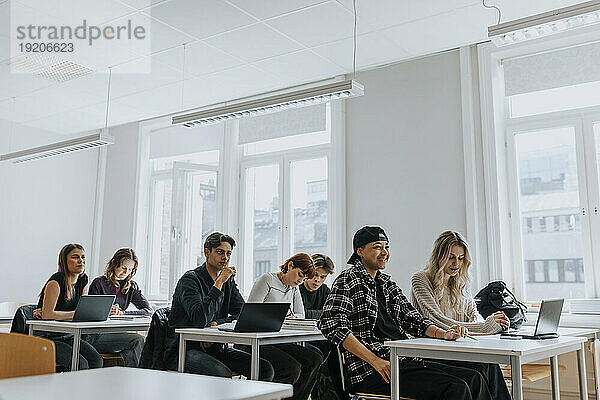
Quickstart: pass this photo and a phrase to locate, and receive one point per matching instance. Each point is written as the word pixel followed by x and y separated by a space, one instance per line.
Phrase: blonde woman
pixel 442 294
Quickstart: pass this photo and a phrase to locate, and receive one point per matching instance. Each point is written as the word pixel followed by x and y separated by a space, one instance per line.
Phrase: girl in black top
pixel 58 300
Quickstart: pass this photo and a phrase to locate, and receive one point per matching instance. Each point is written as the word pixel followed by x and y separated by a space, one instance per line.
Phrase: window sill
pixel 569 320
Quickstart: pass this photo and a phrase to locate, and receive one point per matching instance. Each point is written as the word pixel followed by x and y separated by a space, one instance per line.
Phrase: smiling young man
pixel 208 296
pixel 365 308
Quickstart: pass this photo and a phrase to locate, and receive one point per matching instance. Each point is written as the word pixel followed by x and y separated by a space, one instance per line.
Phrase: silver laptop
pixel 546 326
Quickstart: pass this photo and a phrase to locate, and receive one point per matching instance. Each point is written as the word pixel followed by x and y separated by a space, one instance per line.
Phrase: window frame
pixel 499 234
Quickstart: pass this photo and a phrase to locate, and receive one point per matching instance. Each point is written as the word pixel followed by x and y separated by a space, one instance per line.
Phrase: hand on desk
pixel 116 310
pixel 37 313
pixel 455 332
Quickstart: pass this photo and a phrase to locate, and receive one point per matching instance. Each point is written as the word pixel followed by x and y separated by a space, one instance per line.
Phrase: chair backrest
pixel 22 314
pixel 23 355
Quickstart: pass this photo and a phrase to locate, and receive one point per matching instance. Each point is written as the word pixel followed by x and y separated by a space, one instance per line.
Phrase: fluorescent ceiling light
pixel 545 24
pixel 270 102
pixel 96 139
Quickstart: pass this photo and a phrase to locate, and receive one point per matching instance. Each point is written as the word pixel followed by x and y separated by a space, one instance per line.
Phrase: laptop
pixel 92 308
pixel 547 323
pixel 259 317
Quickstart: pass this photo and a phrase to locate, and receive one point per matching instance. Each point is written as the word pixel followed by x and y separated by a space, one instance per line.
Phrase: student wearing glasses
pixel 118 280
pixel 441 293
pixel 58 300
pixel 293 363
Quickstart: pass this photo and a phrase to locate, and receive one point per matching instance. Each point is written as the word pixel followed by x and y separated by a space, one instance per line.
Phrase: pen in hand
pixel 469 336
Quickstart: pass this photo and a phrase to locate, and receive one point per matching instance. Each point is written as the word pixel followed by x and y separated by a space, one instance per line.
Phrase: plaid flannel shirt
pixel 351 307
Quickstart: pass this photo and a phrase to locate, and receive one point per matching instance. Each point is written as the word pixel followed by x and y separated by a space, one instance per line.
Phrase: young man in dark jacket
pixel 208 296
pixel 365 308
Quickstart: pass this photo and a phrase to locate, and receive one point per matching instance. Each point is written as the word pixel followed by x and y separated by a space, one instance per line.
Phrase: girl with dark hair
pixel 292 363
pixel 58 300
pixel 117 280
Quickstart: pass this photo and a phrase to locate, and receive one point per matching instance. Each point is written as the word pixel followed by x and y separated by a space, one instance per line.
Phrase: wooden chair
pixel 531 372
pixel 346 387
pixel 23 355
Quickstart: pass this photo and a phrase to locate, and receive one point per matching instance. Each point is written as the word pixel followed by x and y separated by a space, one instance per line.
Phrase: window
pixel 285 193
pixel 267 183
pixel 549 109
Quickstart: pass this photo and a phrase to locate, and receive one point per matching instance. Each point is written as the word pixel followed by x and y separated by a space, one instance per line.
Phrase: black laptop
pixel 92 308
pixel 546 326
pixel 259 317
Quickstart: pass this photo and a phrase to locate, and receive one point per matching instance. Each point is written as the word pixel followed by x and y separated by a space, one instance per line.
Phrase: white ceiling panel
pixel 123 84
pixel 324 23
pixel 386 13
pixel 73 12
pixel 201 18
pixel 425 36
pixel 200 59
pixel 268 9
pixel 232 84
pixel 49 101
pixel 151 103
pixel 254 42
pixel 300 67
pixel 142 4
pixel 17 84
pixel 373 48
pixel 519 9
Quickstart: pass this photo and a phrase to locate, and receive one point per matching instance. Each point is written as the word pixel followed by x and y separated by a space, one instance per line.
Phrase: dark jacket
pixel 196 303
pixel 154 349
pixel 22 314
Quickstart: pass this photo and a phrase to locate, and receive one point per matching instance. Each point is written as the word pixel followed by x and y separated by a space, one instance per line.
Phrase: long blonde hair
pixel 452 297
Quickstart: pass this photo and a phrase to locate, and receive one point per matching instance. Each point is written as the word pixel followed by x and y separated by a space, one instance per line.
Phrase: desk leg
pixel 583 393
pixel 554 376
pixel 596 363
pixel 255 360
pixel 395 374
pixel 75 355
pixel 30 330
pixel 181 361
pixel 516 378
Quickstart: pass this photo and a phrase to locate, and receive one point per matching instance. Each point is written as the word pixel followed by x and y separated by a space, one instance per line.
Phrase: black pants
pixel 219 360
pixel 491 373
pixel 293 364
pixel 88 356
pixel 431 381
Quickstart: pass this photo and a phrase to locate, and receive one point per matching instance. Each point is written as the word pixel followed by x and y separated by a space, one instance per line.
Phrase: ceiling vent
pixel 48 66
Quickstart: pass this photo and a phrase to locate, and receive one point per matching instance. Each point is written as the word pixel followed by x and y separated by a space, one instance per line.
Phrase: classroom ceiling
pixel 233 48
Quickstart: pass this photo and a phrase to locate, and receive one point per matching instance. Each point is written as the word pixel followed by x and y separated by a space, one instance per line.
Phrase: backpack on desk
pixel 497 297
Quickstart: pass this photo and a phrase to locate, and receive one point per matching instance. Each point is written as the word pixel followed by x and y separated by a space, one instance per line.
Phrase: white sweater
pixel 269 288
pixel 423 299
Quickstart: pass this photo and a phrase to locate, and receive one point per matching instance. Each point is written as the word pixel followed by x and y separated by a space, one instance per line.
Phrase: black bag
pixel 497 297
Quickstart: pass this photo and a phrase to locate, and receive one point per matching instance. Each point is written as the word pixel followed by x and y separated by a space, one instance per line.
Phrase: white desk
pixel 6 319
pixel 492 349
pixel 79 328
pixel 120 383
pixel 252 339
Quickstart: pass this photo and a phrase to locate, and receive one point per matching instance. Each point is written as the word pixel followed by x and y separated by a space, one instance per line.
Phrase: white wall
pixel 44 204
pixel 119 193
pixel 404 158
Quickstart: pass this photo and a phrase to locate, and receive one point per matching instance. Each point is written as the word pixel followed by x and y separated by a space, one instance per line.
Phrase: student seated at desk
pixel 117 280
pixel 441 293
pixel 58 300
pixel 208 296
pixel 365 308
pixel 293 363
